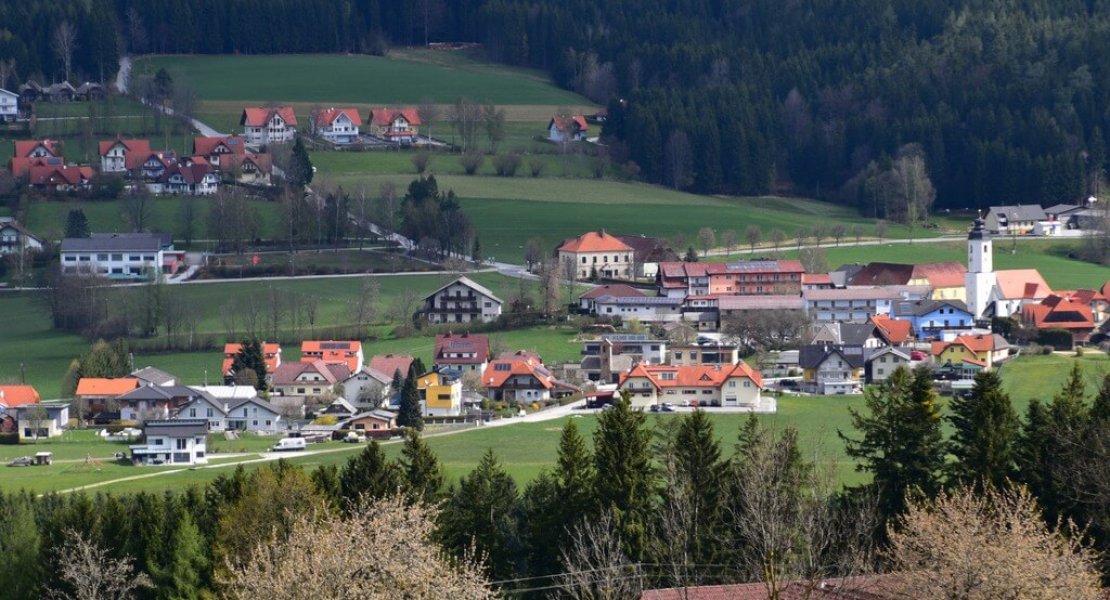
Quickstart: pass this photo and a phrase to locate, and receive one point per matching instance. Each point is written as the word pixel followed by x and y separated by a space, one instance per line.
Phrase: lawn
pixel 399 162
pixel 1040 377
pixel 343 261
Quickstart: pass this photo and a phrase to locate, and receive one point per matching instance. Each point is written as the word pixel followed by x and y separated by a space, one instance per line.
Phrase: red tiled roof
pixel 950 274
pixel 500 370
pixel 465 343
pixel 330 351
pixel 384 117
pixel 595 241
pixel 192 174
pixel 271 355
pixel 50 175
pixel 388 364
pixel 1022 284
pixel 617 290
pixel 21 167
pixel 263 161
pixel 135 145
pixel 1056 312
pixel 24 148
pixel 816 279
pixel 693 375
pixel 328 116
pixel 894 331
pixel 982 342
pixel 92 386
pixel 12 396
pixel 205 145
pixel 333 373
pixel 569 124
pixel 259 116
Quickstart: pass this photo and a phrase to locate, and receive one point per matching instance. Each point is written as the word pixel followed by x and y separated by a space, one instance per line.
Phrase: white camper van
pixel 291 443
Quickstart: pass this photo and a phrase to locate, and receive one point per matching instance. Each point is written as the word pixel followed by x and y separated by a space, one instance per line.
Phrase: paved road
pixel 123 80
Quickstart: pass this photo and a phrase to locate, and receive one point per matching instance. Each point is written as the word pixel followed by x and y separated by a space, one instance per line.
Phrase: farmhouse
pixel 465 352
pixel 1057 312
pixel 828 369
pixel 1014 220
pixel 123 156
pixel 55 177
pixel 337 125
pixel 15 239
pixel 215 149
pixel 172 442
pixel 596 254
pixel 587 302
pixel 265 125
pixel 716 385
pixel 348 353
pixel 462 301
pixel 121 255
pixel 9 106
pixel 37 149
pixel 946 279
pixel 567 128
pixel 397 125
pixel 981 350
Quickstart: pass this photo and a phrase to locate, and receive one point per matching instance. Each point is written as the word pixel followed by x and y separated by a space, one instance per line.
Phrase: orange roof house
pixel 567 128
pixel 37 148
pixel 1057 312
pixel 220 144
pixel 346 352
pixel 388 364
pixel 597 253
pixel 135 152
pixel 522 377
pixel 326 117
pixel 1022 284
pixel 895 332
pixel 981 349
pixel 594 241
pixel 12 396
pixel 259 116
pixel 94 387
pixel 716 385
pixel 271 355
pixel 385 117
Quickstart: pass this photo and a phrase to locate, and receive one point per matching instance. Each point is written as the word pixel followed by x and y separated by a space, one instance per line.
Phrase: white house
pixel 648 309
pixel 883 362
pixel 704 385
pixel 567 129
pixel 858 303
pixel 194 179
pixel 398 125
pixel 57 416
pixel 120 256
pixel 213 411
pixel 177 442
pixel 9 106
pixel 120 156
pixel 367 387
pixel 254 414
pixel 263 125
pixel 462 301
pixel 337 125
pixel 14 238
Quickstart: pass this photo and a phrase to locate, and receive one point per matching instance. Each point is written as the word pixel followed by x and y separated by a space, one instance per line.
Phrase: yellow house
pixel 442 395
pixel 983 350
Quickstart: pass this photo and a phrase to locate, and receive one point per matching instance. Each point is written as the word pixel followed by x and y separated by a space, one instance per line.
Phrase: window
pixel 192 412
pixel 254 423
pixel 182 444
pixel 117 257
pixel 209 411
pixel 101 257
pixel 198 441
pixel 267 422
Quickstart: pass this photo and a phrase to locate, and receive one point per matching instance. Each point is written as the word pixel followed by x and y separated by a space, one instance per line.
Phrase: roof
pixel 131 146
pixel 816 279
pixel 859 293
pixel 1059 209
pixel 1021 212
pixel 377 414
pixel 21 167
pixel 639 301
pixel 10 222
pixel 664 376
pixel 176 427
pixel 270 354
pixel 12 396
pixel 384 117
pixel 470 283
pixel 24 148
pixel 500 370
pixel 253 400
pixel 139 242
pixel 465 343
pixel 681 269
pixel 375 374
pixel 331 351
pixel 949 274
pixel 191 174
pixel 205 145
pixel 769 302
pixel 920 308
pixel 326 117
pixel 153 375
pixel 648 249
pixel 227 392
pixel 259 116
pixel 894 331
pixel 388 364
pixel 93 386
pixel 1056 312
pixel 569 123
pixel 594 241
pixel 615 290
pixel 811 357
pixel 263 161
pixel 287 373
pixel 983 342
pixel 877 352
pixel 53 175
pixel 160 392
pixel 1022 284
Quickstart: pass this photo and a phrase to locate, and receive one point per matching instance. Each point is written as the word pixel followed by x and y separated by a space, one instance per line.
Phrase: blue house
pixel 931 317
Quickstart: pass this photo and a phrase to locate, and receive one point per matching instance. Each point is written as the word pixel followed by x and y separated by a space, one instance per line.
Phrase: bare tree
pixel 467 116
pixel 64 41
pixel 365 303
pixel 963 545
pixel 92 573
pixel 493 119
pixel 403 309
pixel 184 99
pixel 37 417
pixel 753 234
pixel 550 282
pixel 707 239
pixel 678 158
pixel 533 252
pixel 310 305
pixel 778 236
pixel 729 239
pixel 227 318
pixel 818 232
pixel 136 206
pixel 595 567
pixel 857 232
pixel 880 230
pixel 429 112
pixel 838 231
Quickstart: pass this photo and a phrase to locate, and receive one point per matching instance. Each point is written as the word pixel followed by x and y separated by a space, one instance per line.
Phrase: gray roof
pixel 161 392
pixel 140 242
pixel 921 308
pixel 257 401
pixel 770 302
pixel 811 357
pixel 645 301
pixel 154 375
pixel 470 283
pixel 377 413
pixel 887 350
pixel 1021 212
pixel 176 428
pixel 1062 208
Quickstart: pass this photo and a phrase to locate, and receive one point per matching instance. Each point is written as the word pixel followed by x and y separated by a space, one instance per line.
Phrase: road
pixel 123 80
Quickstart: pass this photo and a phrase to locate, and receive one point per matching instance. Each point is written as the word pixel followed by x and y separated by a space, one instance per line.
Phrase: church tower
pixel 980 279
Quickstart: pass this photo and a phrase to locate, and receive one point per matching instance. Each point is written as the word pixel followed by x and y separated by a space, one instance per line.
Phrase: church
pixel 993 293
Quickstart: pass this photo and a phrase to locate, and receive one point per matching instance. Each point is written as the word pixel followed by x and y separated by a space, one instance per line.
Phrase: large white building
pixel 462 301
pixel 980 279
pixel 337 125
pixel 177 442
pixel 263 125
pixel 9 106
pixel 121 255
pixel 858 303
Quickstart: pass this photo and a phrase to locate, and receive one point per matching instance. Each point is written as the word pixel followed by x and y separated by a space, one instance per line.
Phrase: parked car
pixel 917 355
pixel 352 438
pixel 291 443
pixel 22 461
pixel 667 407
pixel 655 408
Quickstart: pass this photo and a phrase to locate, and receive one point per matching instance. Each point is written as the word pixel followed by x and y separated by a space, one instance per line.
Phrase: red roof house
pixel 12 396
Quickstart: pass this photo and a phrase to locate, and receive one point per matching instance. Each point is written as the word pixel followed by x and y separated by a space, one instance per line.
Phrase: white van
pixel 291 443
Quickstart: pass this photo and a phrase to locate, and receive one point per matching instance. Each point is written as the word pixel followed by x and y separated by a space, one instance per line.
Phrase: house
pixel 374 420
pixel 465 352
pixel 746 277
pixel 207 407
pixel 347 353
pixel 268 125
pixel 22 410
pixel 152 167
pixel 1058 312
pixel 397 125
pixel 522 377
pixel 931 318
pixel 596 254
pixel 151 376
pixel 215 149
pixel 587 301
pixel 859 335
pixel 1014 288
pixel 462 301
pixel 1014 220
pixel 1064 214
pixel 154 401
pixel 733 306
pixel 736 385
pixel 254 414
pixel 367 387
pixel 817 281
pixel 1096 300
pixel 442 395
pixel 567 128
pixel 193 179
pixel 647 253
pixel 14 398
pixel 892 332
pixel 172 442
pixel 59 92
pixel 38 149
pixel 648 309
pixel 127 256
pixel 947 280
pixel 9 106
pixel 881 363
pixel 271 356
pixel 830 369
pixel 90 90
pixel 251 168
pixel 123 156
pixel 312 379
pixel 30 92
pixel 337 125
pixel 388 364
pixel 59 178
pixel 15 239
pixel 982 350
pixel 706 350
pixel 96 391
pixel 858 303
pixel 603 360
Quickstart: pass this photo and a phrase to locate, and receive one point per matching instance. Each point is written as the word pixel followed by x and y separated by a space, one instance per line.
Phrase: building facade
pixel 462 301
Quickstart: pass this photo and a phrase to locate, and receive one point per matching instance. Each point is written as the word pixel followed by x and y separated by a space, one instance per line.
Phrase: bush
pixel 506 165
pixel 1060 338
pixel 536 165
pixel 420 160
pixel 471 162
pixel 9 439
pixel 1079 351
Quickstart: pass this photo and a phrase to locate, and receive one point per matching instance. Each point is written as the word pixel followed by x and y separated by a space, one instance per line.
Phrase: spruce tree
pixel 326 480
pixel 77 224
pixel 418 367
pixel 300 167
pixel 1100 408
pixel 481 515
pixel 368 474
pixel 421 470
pixel 188 563
pixel 20 545
pixel 625 482
pixel 984 443
pixel 410 414
pixel 147 539
pixel 700 469
pixel 250 357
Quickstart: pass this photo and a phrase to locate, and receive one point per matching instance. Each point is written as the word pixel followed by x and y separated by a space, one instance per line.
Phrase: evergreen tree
pixel 410 414
pixel 146 536
pixel 700 470
pixel 420 467
pixel 985 439
pixel 250 358
pixel 77 224
pixel 368 474
pixel 481 515
pixel 625 481
pixel 326 480
pixel 1100 409
pixel 398 381
pixel 901 444
pixel 476 250
pixel 1034 450
pixel 20 545
pixel 418 367
pixel 188 563
pixel 300 165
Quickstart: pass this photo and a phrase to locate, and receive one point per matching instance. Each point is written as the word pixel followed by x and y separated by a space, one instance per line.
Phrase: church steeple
pixel 980 279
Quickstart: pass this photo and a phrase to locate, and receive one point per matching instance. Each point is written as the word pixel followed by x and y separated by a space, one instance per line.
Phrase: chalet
pixel 266 125
pixel 347 353
pixel 892 332
pixel 462 301
pixel 250 168
pixel 1014 220
pixel 1058 312
pixel 9 106
pixel 562 129
pixel 983 351
pixel 59 92
pixel 216 148
pixel 15 239
pixel 587 302
pixel 121 255
pixel 596 254
pixel 38 149
pixel 123 156
pixel 310 379
pixel 367 387
pixel 60 178
pixel 172 442
pixel 271 355
pixel 186 179
pixel 736 385
pixel 154 402
pixel 388 364
pixel 154 166
pixel 465 352
pixel 522 377
pixel 254 414
pixel 931 319
pixel 749 277
pixel 90 90
pixel 945 279
pixel 397 125
pixel 830 369
pixel 30 92
pixel 337 125
pixel 881 363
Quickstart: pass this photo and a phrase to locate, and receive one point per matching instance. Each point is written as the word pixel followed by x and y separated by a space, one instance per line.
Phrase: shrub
pixel 420 160
pixel 506 165
pixel 536 165
pixel 9 439
pixel 471 162
pixel 1060 338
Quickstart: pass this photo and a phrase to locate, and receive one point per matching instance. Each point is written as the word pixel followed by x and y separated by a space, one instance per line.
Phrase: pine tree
pixel 480 514
pixel 188 563
pixel 146 538
pixel 326 480
pixel 1100 409
pixel 1034 449
pixel 410 414
pixel 476 250
pixel 418 367
pixel 700 470
pixel 901 444
pixel 250 358
pixel 20 545
pixel 420 467
pixel 77 224
pixel 626 480
pixel 368 474
pixel 985 439
pixel 300 167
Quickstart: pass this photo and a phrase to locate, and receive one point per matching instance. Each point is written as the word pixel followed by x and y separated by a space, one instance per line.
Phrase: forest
pixel 1002 101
